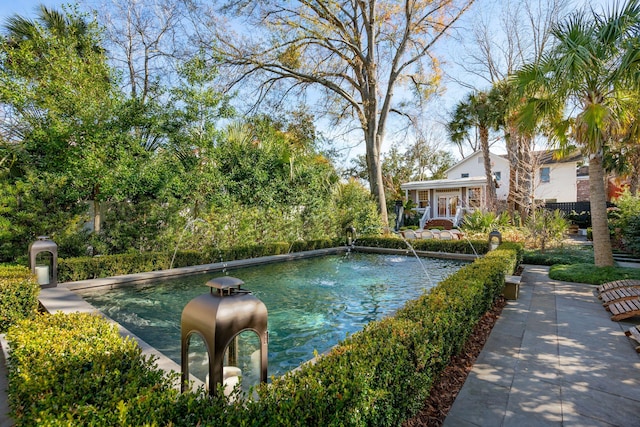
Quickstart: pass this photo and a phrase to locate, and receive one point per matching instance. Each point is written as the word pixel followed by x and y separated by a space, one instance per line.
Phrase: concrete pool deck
pixel 553 358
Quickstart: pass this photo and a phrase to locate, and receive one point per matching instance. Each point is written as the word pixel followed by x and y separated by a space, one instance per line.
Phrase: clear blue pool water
pixel 313 303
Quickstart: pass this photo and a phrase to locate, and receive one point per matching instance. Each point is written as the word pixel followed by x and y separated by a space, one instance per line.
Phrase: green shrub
pixel 19 291
pixel 484 222
pixel 631 235
pixel 77 370
pixel 84 268
pixel 546 227
pixel 433 245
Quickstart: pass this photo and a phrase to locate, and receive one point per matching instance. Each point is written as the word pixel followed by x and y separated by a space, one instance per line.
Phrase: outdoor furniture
pixel 634 333
pixel 409 234
pixel 426 234
pixel 445 235
pixel 457 234
pixel 619 294
pixel 624 309
pixel 626 283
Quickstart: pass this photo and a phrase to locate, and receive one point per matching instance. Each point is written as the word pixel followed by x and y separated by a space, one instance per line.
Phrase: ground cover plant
pixel 566 254
pixel 589 273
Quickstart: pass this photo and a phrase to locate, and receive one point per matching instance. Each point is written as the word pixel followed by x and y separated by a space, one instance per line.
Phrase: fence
pixel 577 207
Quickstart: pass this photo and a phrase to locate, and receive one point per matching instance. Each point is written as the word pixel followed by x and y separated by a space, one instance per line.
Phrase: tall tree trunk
pixel 512 142
pixel 634 160
pixel 491 188
pixel 376 183
pixel 525 178
pixel 97 218
pixel 603 254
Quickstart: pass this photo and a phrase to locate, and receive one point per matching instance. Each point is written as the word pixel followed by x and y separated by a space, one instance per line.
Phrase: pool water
pixel 312 304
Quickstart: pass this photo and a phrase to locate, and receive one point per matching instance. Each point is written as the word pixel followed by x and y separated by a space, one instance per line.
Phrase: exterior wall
pixel 474 166
pixel 562 185
pixel 561 188
pixel 582 190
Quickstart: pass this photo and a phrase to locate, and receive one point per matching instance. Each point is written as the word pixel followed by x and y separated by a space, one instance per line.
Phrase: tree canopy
pixel 585 90
pixel 358 55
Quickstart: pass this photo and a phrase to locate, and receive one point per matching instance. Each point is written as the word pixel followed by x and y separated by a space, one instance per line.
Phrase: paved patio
pixel 554 358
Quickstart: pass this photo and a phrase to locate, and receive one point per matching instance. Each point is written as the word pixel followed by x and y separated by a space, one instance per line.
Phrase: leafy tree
pixel 356 53
pixel 545 227
pixel 477 111
pixel 57 89
pixel 500 43
pixel 355 207
pixel 585 89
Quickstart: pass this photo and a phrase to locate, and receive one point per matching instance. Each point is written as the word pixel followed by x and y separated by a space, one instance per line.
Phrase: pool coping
pixel 63 298
pixel 128 279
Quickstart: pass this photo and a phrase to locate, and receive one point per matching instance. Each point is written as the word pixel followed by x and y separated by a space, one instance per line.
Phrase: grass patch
pixel 561 255
pixel 589 273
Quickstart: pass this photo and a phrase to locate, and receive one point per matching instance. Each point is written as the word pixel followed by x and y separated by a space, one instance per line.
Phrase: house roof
pixel 541 157
pixel 545 157
pixel 474 181
pixel 474 155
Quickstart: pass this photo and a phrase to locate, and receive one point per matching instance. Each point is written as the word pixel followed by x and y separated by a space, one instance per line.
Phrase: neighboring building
pixel 466 185
pixel 583 184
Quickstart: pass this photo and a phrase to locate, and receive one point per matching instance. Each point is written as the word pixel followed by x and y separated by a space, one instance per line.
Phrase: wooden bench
pixel 625 283
pixel 634 333
pixel 624 309
pixel 619 294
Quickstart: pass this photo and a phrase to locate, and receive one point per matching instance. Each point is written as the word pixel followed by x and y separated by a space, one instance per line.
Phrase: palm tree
pixel 518 143
pixel 585 89
pixel 20 29
pixel 476 112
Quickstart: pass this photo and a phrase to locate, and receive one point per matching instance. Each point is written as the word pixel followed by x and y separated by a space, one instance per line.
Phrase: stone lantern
pixel 43 261
pixel 350 232
pixel 495 239
pixel 219 317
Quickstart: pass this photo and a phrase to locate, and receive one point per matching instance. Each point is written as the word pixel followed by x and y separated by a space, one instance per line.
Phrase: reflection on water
pixel 312 304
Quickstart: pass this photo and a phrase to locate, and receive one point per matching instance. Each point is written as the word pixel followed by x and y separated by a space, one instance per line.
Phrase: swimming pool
pixel 312 303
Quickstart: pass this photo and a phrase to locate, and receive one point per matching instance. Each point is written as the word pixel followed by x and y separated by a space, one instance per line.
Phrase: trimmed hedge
pixel 83 268
pixel 19 291
pixel 77 370
pixel 379 376
pixel 434 245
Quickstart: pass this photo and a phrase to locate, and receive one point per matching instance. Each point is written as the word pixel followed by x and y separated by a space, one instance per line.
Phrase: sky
pixel 24 7
pixel 440 111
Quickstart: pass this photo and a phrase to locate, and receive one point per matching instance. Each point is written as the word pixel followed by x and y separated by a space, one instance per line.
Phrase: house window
pixel 497 175
pixel 464 175
pixel 442 206
pixel 453 205
pixel 545 175
pixel 473 196
pixel 423 198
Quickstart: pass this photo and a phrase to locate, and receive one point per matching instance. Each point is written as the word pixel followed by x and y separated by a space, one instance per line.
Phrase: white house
pixel 466 185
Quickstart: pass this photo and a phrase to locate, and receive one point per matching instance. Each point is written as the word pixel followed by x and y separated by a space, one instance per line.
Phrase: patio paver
pixel 554 358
